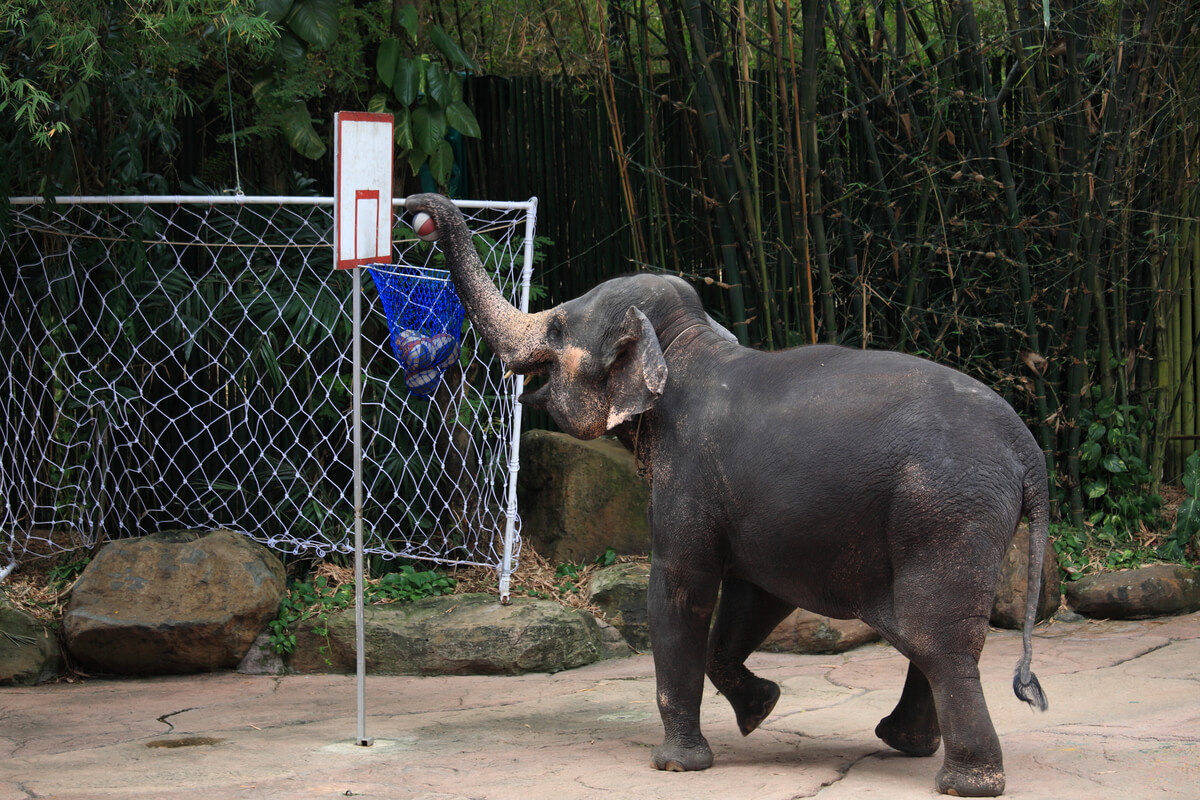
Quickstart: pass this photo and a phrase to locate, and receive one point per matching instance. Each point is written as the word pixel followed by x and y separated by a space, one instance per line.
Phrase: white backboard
pixel 362 189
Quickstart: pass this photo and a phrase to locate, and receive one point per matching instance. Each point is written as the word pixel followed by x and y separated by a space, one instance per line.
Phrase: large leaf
pixel 1187 527
pixel 378 104
pixel 450 49
pixel 437 84
pixel 407 17
pixel 1114 463
pixel 262 83
pixel 298 130
pixel 274 10
pixel 402 128
pixel 456 86
pixel 1191 474
pixel 406 83
pixel 428 128
pixel 461 118
pixel 441 161
pixel 291 49
pixel 385 62
pixel 315 21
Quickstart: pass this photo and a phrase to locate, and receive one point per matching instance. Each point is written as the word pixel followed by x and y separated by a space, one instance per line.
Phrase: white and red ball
pixel 424 227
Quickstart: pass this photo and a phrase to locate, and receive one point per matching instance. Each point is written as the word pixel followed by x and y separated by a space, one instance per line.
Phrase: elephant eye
pixel 554 333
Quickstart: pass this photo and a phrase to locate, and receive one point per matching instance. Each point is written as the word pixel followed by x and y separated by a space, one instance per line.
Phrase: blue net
pixel 424 319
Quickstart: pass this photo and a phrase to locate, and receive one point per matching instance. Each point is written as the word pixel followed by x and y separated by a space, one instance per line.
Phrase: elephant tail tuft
pixel 1027 687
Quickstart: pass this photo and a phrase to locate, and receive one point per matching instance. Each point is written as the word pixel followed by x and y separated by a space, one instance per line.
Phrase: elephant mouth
pixel 537 388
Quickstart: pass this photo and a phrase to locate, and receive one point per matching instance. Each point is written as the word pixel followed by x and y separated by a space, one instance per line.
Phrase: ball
pixel 424 227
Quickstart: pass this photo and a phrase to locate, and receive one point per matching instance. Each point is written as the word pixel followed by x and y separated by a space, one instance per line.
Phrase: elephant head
pixel 599 353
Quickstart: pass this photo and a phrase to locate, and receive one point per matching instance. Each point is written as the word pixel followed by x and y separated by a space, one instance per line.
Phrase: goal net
pixel 186 362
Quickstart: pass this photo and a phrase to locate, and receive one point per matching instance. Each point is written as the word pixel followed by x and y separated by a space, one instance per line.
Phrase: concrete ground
pixel 1123 723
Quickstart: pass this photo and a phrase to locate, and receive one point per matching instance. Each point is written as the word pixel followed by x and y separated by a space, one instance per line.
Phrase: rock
pixel 805 632
pixel 577 499
pixel 1158 590
pixel 466 634
pixel 172 602
pixel 261 658
pixel 612 643
pixel 1008 610
pixel 620 592
pixel 29 653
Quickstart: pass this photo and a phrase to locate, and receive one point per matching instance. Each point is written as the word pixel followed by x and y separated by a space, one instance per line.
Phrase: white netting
pixel 187 362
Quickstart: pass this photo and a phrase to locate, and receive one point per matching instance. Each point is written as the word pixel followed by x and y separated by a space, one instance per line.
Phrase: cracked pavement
pixel 1124 722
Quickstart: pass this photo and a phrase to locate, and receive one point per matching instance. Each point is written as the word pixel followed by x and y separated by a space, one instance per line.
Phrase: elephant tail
pixel 1036 504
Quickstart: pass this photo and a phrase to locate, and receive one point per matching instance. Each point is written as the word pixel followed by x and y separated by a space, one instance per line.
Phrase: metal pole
pixel 359 637
pixel 514 464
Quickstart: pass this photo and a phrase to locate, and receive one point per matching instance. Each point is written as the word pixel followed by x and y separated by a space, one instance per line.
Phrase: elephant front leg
pixel 681 603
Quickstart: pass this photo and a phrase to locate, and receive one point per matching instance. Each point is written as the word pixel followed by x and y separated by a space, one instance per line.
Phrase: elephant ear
pixel 636 370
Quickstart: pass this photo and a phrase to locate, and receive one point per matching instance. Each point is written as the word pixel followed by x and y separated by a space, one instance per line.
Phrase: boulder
pixel 29 653
pixel 805 632
pixel 466 634
pixel 1158 590
pixel 577 499
pixel 261 658
pixel 620 592
pixel 1008 610
pixel 172 602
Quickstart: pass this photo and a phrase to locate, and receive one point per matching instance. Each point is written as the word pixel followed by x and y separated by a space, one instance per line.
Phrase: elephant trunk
pixel 513 335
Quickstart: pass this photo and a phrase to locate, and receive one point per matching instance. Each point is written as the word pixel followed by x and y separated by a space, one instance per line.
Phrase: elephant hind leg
pixel 912 727
pixel 973 765
pixel 745 616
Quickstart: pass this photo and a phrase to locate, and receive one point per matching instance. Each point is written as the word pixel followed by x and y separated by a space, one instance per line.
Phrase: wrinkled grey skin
pixel 850 483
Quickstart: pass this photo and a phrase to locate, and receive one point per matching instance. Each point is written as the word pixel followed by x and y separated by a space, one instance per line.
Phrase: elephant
pixel 852 483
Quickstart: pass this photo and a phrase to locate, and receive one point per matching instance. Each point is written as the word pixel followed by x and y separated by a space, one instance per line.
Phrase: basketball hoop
pixel 425 321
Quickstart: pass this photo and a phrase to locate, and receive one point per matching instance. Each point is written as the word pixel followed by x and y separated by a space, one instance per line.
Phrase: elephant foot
pixel 907 738
pixel 673 756
pixel 970 781
pixel 755 704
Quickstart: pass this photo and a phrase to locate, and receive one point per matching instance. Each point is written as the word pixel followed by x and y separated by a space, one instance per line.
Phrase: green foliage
pixel 316 599
pixel 65 572
pixel 1115 478
pixel 1120 508
pixel 77 76
pixel 425 95
pixel 1085 551
pixel 1187 520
